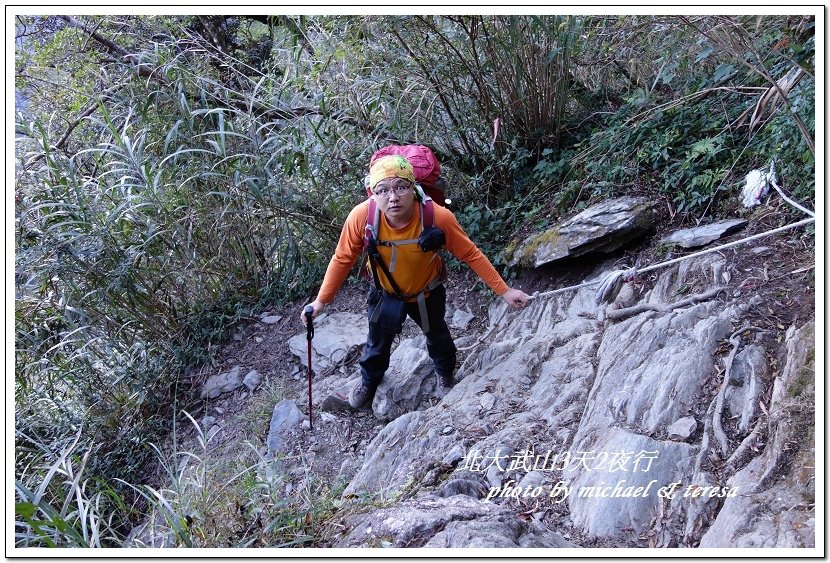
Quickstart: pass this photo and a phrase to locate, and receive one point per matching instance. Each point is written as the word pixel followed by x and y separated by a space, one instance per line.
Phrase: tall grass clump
pixel 490 92
pixel 187 204
pixel 232 496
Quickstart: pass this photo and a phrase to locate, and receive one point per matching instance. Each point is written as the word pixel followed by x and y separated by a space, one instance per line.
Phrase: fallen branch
pixel 802 270
pixel 90 109
pixel 84 114
pixel 619 314
pixel 141 69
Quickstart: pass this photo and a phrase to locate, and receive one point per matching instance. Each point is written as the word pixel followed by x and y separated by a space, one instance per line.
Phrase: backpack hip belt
pixel 420 300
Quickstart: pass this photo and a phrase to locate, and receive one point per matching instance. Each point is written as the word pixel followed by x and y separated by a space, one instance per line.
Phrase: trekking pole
pixel 309 334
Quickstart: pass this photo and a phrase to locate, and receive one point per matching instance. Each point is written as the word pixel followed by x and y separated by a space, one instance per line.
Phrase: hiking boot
pixel 445 383
pixel 360 395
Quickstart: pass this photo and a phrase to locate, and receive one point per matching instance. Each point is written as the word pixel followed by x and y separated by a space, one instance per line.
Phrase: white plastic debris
pixel 757 186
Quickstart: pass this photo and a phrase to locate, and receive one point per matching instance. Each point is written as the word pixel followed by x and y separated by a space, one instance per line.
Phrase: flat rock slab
pixel 222 383
pixel 703 235
pixel 604 227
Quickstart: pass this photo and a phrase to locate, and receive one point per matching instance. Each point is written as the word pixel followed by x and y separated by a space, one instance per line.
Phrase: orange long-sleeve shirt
pixel 414 269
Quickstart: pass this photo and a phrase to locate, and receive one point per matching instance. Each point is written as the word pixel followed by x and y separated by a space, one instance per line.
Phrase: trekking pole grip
pixel 309 325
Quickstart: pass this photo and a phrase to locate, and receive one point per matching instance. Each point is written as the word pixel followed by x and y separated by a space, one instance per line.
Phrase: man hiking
pixel 407 271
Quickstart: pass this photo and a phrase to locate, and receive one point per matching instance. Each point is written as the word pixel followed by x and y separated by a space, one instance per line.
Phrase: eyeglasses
pixel 399 190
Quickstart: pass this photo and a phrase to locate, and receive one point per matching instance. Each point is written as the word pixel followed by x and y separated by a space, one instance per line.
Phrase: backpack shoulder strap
pixel 427 208
pixel 370 245
pixel 428 215
pixel 370 232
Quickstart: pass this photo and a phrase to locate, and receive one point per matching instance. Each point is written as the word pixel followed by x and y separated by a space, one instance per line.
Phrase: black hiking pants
pixel 441 348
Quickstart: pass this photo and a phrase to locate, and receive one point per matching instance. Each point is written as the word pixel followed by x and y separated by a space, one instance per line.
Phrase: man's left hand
pixel 516 298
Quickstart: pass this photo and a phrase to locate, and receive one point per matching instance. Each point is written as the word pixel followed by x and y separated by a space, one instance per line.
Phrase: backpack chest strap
pixel 394 244
pixel 371 230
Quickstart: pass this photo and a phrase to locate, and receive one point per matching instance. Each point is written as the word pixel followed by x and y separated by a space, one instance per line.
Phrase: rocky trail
pixel 681 415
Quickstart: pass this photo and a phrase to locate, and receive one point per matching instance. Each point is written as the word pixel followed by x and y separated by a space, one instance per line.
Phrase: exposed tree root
pixel 619 314
pixel 743 452
pixel 717 426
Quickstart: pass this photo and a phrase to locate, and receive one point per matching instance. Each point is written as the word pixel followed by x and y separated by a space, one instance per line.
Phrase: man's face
pixel 395 198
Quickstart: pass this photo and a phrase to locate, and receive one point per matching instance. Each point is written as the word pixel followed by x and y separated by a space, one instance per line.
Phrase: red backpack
pixel 425 165
pixel 430 185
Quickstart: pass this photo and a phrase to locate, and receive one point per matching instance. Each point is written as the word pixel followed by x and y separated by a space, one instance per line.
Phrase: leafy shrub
pixel 692 141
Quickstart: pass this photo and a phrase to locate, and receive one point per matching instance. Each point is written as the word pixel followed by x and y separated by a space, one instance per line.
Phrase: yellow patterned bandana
pixel 392 166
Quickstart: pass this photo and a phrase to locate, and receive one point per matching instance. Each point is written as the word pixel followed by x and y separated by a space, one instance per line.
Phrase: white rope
pixel 730 244
pixel 788 200
pixel 563 289
pixel 612 282
pixel 617 275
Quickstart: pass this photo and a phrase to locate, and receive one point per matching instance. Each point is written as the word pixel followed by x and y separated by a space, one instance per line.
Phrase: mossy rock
pixel 602 228
pixel 526 255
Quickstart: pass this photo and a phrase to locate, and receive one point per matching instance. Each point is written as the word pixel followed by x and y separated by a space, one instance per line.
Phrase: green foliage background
pixel 177 173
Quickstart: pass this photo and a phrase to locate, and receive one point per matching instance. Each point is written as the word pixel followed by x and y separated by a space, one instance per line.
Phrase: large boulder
pixel 336 337
pixel 409 380
pixel 406 386
pixel 604 227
